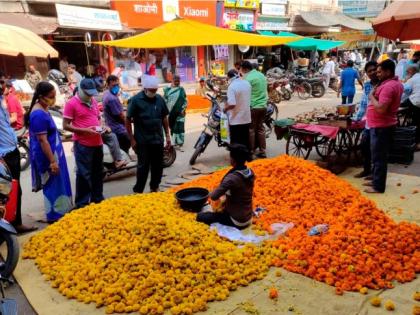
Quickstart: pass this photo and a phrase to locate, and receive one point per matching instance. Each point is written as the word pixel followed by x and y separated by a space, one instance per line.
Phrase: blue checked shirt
pixel 367 87
pixel 8 140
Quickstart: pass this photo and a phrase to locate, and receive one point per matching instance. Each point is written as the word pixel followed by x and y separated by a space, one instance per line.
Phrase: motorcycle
pixel 23 147
pixel 299 85
pixel 169 157
pixel 269 120
pixel 317 85
pixel 7 237
pixel 211 130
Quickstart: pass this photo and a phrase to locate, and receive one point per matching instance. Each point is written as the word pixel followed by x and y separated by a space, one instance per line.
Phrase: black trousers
pixel 12 160
pixel 380 144
pixel 365 148
pixel 239 134
pixel 217 217
pixel 149 157
pixel 124 141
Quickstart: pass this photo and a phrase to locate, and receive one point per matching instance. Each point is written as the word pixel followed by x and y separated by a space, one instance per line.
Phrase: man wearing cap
pixel 238 108
pixel 82 117
pixel 148 111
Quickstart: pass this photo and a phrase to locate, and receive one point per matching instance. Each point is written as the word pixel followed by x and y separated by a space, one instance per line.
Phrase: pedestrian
pixel 151 64
pixel 201 89
pixel 148 111
pixel 401 69
pixel 259 98
pixel 14 107
pixel 347 86
pixel 73 76
pixel 384 101
pixel 82 117
pixel 238 108
pixel 370 70
pixel 114 112
pixel 48 160
pixel 237 186
pixel 32 76
pixel 328 71
pixel 63 65
pixel 176 101
pixel 413 100
pixel 165 65
pixel 11 156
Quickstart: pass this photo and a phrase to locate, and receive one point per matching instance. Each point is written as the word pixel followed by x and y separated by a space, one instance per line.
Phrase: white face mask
pixel 150 94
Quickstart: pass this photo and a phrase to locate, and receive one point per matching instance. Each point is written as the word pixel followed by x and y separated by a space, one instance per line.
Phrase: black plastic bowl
pixel 192 199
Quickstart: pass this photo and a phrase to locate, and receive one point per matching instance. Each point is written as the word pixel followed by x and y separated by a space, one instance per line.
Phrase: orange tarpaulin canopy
pixel 184 32
pixel 400 20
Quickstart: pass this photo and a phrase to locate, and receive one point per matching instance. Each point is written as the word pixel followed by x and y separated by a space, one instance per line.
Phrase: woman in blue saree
pixel 49 166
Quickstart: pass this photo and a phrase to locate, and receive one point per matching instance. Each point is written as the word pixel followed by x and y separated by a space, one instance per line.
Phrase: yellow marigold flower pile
pixel 142 253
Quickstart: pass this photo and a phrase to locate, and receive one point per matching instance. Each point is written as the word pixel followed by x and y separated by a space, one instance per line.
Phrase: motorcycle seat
pixel 19 133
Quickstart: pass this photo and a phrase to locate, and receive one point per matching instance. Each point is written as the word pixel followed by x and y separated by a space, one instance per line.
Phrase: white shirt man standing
pixel 328 71
pixel 238 108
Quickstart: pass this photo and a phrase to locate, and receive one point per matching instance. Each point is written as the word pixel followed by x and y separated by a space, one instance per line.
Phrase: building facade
pixel 362 8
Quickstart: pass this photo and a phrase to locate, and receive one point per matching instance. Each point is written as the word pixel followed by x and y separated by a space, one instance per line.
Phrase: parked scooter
pixel 23 147
pixel 7 237
pixel 318 88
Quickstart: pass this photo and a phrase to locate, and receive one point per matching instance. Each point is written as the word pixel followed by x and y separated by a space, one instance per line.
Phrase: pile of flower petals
pixel 363 246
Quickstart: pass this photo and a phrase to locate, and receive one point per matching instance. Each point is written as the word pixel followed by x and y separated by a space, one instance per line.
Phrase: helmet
pixel 56 76
pixel 5 181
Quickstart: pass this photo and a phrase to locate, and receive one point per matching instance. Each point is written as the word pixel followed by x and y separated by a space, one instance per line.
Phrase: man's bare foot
pixel 368 184
pixel 25 229
pixel 361 174
pixel 372 191
pixel 120 163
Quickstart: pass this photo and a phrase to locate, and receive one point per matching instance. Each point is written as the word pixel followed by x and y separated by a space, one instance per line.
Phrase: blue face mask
pixel 115 89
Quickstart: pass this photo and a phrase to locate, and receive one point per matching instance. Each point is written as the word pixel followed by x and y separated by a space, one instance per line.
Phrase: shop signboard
pixel 284 2
pixel 170 9
pixel 88 18
pixel 242 4
pixel 240 20
pixel 266 23
pixel 273 9
pixel 142 14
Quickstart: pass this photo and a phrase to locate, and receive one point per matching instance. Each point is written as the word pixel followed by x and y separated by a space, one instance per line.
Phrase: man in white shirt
pixel 353 56
pixel 328 71
pixel 238 108
pixel 412 86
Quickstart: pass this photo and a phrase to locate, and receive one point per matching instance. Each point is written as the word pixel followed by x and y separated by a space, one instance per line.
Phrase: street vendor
pixel 237 186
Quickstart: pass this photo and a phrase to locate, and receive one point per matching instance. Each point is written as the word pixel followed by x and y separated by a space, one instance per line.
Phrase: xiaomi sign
pixel 150 14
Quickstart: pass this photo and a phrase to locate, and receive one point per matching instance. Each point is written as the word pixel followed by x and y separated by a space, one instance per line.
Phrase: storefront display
pixel 241 20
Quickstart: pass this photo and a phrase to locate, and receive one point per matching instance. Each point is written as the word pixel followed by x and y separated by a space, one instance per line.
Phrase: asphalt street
pixel 32 204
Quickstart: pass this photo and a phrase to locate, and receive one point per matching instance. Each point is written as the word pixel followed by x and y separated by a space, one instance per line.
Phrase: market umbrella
pixel 306 43
pixel 16 40
pixel 400 20
pixel 184 32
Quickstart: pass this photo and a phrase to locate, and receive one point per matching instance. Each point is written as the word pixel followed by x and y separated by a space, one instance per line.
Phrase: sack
pixel 224 128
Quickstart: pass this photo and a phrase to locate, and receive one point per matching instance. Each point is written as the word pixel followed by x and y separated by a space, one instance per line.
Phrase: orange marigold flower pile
pixel 363 246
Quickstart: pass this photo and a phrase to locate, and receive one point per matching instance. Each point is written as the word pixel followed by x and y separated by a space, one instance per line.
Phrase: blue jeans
pixel 89 177
pixel 380 144
pixel 348 99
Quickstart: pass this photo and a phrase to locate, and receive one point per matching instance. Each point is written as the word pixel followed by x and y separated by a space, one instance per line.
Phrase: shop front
pixel 78 28
pixel 188 62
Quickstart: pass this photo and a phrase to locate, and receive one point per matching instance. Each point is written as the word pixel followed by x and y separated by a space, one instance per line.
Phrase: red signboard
pixel 149 14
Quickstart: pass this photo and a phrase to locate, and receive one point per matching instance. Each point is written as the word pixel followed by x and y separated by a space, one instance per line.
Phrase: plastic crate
pixel 405 132
pixel 402 148
pixel 403 141
pixel 402 157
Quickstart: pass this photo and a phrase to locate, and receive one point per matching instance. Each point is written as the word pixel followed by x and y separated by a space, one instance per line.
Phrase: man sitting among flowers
pixel 237 186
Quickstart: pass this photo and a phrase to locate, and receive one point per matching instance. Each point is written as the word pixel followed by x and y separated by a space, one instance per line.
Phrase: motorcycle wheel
pixel 11 260
pixel 24 156
pixel 196 154
pixel 304 90
pixel 169 157
pixel 318 90
pixel 286 95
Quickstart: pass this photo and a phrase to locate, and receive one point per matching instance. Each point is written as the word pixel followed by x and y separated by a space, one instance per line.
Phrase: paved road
pixel 32 204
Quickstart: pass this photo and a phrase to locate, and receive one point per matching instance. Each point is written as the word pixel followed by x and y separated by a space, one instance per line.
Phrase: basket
pixel 281 132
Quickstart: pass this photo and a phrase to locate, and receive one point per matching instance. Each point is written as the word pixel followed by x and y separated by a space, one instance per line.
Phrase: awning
pixel 353 39
pixel 38 24
pixel 184 32
pixel 16 40
pixel 324 19
pixel 306 43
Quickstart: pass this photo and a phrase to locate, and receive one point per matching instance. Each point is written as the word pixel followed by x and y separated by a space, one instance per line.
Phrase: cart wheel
pixel 296 146
pixel 324 147
pixel 343 144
